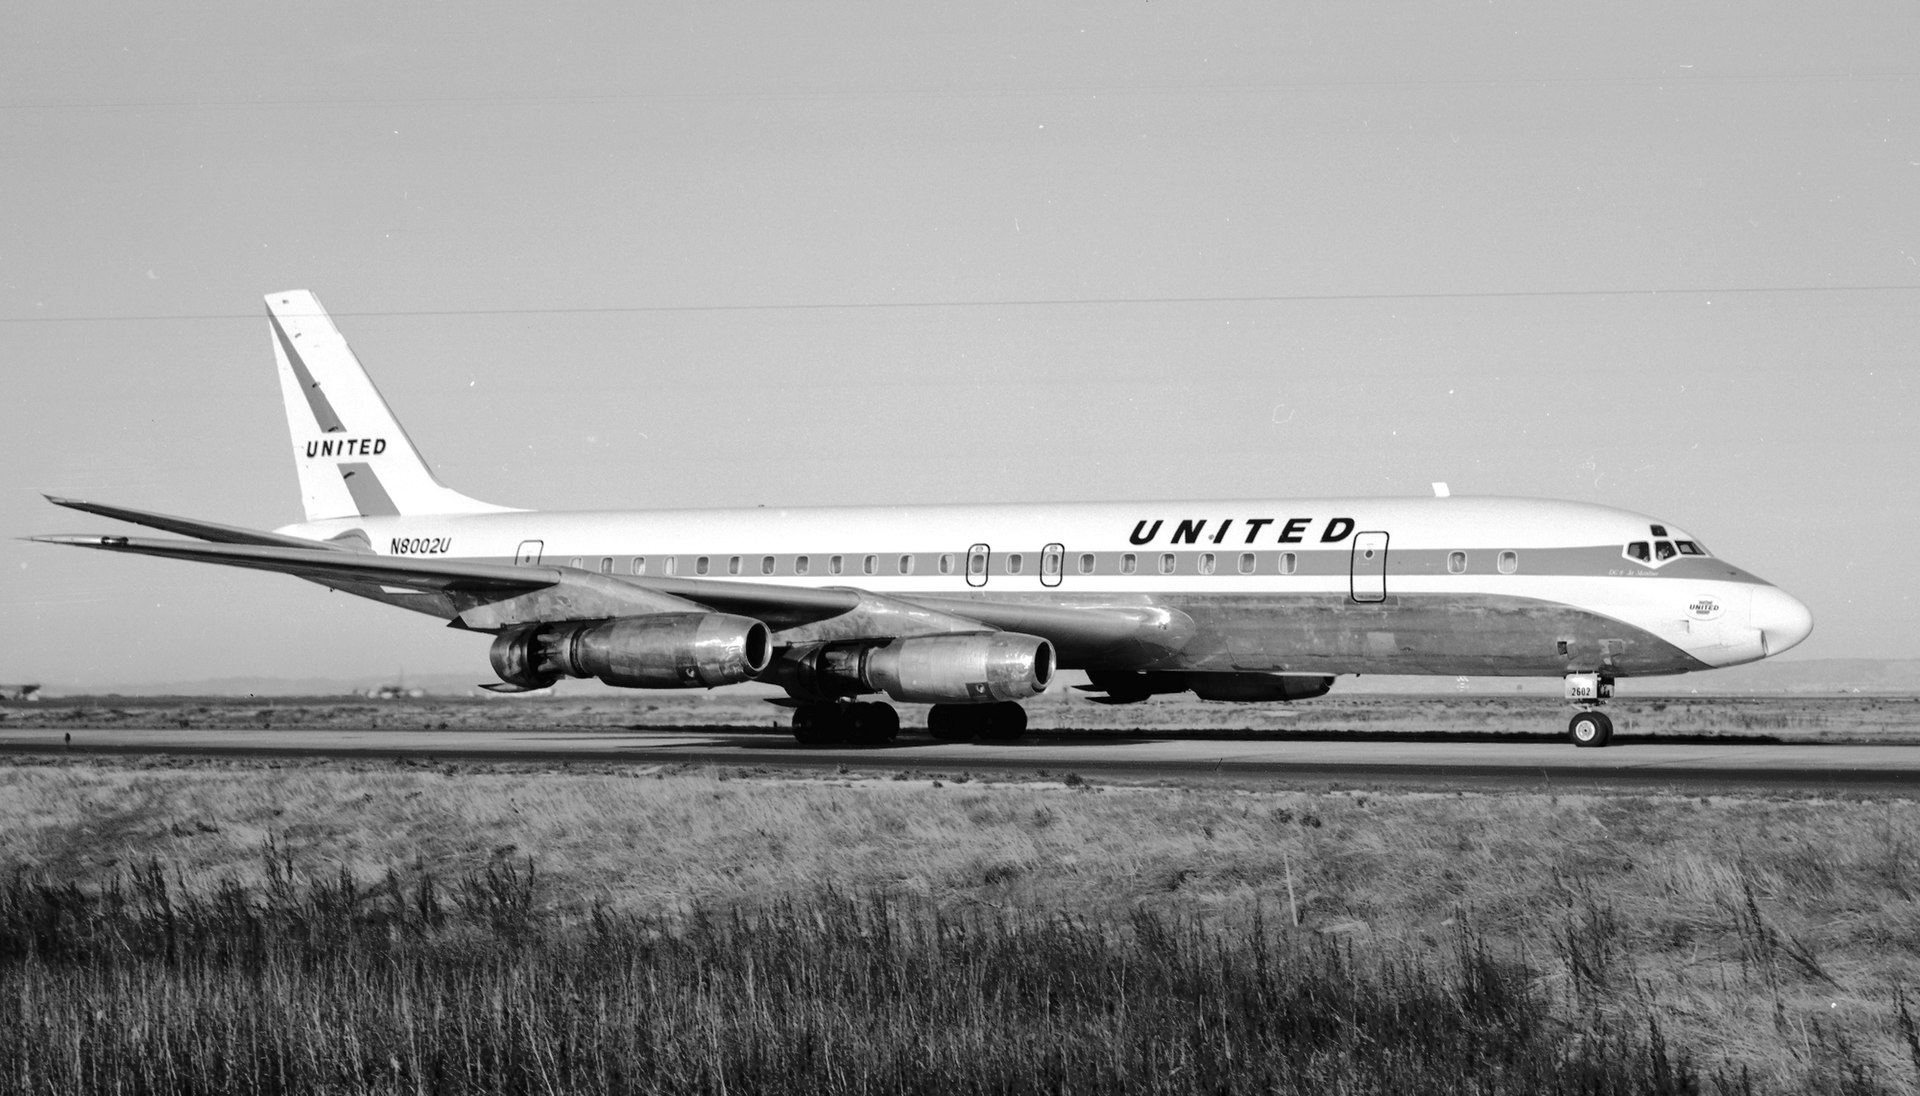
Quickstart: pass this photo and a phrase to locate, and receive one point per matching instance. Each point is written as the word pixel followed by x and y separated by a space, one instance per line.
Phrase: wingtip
pixel 82 540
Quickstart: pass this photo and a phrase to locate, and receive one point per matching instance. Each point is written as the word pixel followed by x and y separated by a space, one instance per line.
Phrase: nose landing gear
pixel 1589 727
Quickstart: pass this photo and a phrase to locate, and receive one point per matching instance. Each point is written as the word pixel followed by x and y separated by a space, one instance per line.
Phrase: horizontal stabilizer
pixel 192 527
pixel 328 565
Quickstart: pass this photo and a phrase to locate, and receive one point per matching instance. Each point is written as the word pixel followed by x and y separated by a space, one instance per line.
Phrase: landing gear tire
pixel 951 723
pixel 829 724
pixel 873 724
pixel 1591 729
pixel 1003 722
pixel 817 724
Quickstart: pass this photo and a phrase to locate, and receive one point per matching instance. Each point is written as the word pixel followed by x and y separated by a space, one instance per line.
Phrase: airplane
pixel 975 608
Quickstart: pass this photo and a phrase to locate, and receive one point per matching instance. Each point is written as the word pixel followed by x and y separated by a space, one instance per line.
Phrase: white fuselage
pixel 1360 585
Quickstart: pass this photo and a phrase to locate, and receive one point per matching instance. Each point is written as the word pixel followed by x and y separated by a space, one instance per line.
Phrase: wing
pixel 192 527
pixel 491 596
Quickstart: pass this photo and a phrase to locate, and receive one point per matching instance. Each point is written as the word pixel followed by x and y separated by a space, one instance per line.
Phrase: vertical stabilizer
pixel 353 457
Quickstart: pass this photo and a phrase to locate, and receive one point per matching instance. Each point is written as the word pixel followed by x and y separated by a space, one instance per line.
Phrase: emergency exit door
pixel 1369 572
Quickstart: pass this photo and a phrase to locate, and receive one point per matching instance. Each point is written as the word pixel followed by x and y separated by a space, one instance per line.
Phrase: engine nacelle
pixel 975 668
pixel 658 651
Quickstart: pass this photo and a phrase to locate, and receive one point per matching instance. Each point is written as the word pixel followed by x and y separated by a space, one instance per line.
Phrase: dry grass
pixel 1774 935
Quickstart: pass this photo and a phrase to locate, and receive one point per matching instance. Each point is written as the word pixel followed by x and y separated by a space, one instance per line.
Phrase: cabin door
pixel 1369 567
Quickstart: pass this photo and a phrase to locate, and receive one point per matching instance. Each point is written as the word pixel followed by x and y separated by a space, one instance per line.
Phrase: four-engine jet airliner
pixel 973 608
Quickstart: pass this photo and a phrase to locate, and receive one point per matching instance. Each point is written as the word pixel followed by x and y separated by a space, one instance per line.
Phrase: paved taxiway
pixel 1690 765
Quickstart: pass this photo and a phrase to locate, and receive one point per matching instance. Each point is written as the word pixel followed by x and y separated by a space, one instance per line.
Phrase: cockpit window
pixel 1655 553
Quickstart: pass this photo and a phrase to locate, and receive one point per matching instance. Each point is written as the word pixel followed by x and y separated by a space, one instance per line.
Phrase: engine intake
pixel 658 651
pixel 975 668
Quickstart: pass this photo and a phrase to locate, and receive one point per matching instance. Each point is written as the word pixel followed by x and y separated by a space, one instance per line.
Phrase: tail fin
pixel 353 457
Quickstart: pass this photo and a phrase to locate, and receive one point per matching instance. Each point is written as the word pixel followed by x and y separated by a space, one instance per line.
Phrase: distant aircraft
pixel 973 608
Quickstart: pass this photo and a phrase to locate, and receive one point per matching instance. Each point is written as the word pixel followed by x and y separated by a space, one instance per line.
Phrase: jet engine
pixel 974 668
pixel 657 651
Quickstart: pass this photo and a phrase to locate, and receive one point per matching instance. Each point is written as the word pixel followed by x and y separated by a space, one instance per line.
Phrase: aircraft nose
pixel 1781 618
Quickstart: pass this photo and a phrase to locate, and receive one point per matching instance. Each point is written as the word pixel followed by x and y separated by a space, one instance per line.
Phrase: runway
pixel 1479 761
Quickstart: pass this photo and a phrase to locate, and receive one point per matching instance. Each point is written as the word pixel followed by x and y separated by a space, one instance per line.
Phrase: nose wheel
pixel 1590 729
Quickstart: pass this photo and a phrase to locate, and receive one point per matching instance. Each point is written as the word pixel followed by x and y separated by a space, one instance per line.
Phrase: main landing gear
pixel 840 723
pixel 833 724
pixel 1589 727
pixel 1002 722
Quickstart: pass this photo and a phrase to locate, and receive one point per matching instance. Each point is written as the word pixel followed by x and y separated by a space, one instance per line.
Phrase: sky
pixel 1655 256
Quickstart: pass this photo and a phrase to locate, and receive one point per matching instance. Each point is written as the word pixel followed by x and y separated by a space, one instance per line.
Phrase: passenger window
pixel 834 565
pixel 1456 563
pixel 1129 563
pixel 1688 548
pixel 906 565
pixel 606 565
pixel 1014 563
pixel 1206 563
pixel 1638 550
pixel 800 565
pixel 701 565
pixel 870 565
pixel 1509 562
pixel 946 563
pixel 977 563
pixel 766 565
pixel 670 565
pixel 1086 563
pixel 1246 563
pixel 575 562
pixel 733 565
pixel 1663 549
pixel 1166 563
pixel 639 565
pixel 1289 563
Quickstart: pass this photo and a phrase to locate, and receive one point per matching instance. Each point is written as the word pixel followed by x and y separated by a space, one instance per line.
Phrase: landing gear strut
pixel 830 724
pixel 1589 727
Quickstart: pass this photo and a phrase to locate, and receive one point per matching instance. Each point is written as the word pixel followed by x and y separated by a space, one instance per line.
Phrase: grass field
pixel 595 928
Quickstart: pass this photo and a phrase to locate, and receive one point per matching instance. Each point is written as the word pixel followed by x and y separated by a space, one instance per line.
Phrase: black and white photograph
pixel 867 547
